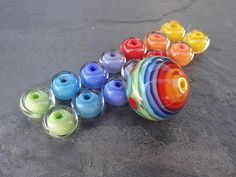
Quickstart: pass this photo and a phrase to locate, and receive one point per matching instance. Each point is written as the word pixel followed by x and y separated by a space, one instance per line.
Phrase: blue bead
pixel 112 60
pixel 128 67
pixel 88 103
pixel 114 92
pixel 93 75
pixel 65 85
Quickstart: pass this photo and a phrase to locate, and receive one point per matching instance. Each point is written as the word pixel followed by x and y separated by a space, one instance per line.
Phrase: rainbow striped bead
pixel 157 88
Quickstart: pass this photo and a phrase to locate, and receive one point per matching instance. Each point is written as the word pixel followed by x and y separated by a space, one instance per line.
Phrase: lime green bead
pixel 61 121
pixel 38 102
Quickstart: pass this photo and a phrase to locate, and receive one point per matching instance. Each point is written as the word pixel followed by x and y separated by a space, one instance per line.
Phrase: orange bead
pixel 156 40
pixel 181 53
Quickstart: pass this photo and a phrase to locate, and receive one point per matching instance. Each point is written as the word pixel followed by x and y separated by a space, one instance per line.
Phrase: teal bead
pixel 65 85
pixel 88 104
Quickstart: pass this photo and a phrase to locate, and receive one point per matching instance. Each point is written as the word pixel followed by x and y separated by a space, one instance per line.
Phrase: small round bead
pixel 114 92
pixel 197 40
pixel 128 67
pixel 173 30
pixel 155 53
pixel 133 48
pixel 156 40
pixel 181 53
pixel 93 75
pixel 88 103
pixel 60 121
pixel 112 60
pixel 36 102
pixel 64 85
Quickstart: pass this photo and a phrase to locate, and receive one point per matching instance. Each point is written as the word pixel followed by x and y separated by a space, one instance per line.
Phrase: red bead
pixel 155 53
pixel 133 48
pixel 133 103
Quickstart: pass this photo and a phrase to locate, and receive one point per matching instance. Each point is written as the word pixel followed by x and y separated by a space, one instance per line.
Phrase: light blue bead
pixel 112 60
pixel 88 104
pixel 114 92
pixel 93 75
pixel 65 85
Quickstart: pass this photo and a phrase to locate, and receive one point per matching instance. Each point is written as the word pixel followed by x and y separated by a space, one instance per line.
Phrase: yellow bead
pixel 173 30
pixel 198 40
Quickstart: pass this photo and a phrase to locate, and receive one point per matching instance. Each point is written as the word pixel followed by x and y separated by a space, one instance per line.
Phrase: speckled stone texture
pixel 39 38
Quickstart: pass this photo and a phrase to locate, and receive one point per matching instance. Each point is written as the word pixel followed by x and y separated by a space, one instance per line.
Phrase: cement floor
pixel 40 38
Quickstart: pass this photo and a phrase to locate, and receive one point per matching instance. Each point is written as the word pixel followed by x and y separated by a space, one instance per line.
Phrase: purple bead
pixel 114 91
pixel 112 60
pixel 93 75
pixel 128 67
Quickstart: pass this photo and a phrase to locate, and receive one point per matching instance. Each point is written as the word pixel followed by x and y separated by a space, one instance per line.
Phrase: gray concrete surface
pixel 41 37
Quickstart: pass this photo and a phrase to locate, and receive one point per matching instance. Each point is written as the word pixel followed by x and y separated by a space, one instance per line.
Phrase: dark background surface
pixel 39 38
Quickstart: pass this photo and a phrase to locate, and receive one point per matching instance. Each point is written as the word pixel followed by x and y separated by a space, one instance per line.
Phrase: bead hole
pixel 87 96
pixel 182 47
pixel 183 85
pixel 58 115
pixel 35 96
pixel 158 36
pixel 93 68
pixel 63 80
pixel 173 25
pixel 112 54
pixel 198 34
pixel 133 43
pixel 118 84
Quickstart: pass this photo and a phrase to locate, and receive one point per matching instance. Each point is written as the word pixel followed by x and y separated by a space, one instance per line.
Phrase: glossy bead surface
pixel 197 40
pixel 60 121
pixel 133 48
pixel 88 104
pixel 64 85
pixel 156 40
pixel 114 92
pixel 155 53
pixel 181 53
pixel 112 60
pixel 128 67
pixel 173 30
pixel 93 75
pixel 36 102
pixel 157 88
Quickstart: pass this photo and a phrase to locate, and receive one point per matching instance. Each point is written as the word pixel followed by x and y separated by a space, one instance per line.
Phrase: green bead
pixel 60 121
pixel 37 102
